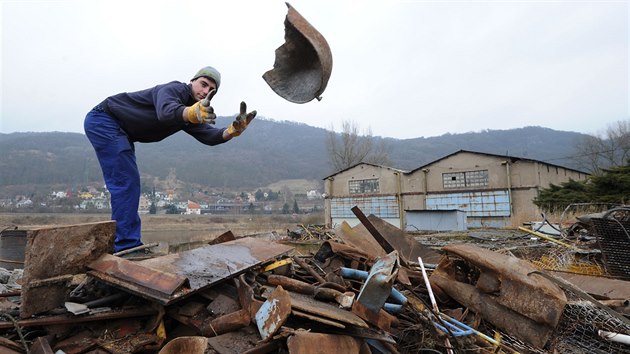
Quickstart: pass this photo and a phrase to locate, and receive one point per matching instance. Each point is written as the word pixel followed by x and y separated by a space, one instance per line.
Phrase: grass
pixel 175 229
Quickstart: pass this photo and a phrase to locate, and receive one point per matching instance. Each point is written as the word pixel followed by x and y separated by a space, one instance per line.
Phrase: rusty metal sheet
pixel 224 237
pixel 203 266
pixel 40 346
pixel 598 287
pixel 315 318
pixel 309 305
pixel 407 246
pixel 308 342
pixel 380 319
pixel 127 270
pixel 360 238
pixel 273 313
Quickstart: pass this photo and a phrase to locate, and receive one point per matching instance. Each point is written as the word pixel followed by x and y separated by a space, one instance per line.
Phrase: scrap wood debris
pixel 371 288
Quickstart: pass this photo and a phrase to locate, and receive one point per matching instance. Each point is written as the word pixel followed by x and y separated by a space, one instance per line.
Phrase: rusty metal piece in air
pixel 273 313
pixel 303 63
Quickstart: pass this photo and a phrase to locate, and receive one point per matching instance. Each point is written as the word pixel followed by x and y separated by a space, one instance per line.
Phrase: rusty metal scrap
pixel 202 267
pixel 501 289
pixel 250 295
pixel 303 63
pixel 133 272
pixel 305 342
pixel 273 312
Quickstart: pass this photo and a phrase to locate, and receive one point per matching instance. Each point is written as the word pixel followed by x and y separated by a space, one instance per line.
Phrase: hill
pixel 270 151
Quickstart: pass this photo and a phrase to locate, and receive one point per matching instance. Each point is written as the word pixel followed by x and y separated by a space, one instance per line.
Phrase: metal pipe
pixel 614 337
pixel 401 212
pixel 449 348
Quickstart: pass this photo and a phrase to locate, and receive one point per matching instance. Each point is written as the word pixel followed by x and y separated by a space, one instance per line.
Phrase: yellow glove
pixel 241 122
pixel 202 111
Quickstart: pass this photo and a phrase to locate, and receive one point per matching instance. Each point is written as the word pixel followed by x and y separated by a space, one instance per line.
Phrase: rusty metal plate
pixel 315 318
pixel 599 287
pixel 324 309
pixel 203 267
pixel 360 238
pixel 308 342
pixel 127 270
pixel 273 313
pixel 406 245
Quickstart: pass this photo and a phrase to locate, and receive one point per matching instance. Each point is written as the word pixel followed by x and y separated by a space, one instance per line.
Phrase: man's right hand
pixel 202 111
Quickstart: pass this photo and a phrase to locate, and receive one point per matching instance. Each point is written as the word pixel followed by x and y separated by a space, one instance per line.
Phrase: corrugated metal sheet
pixel 436 220
pixel 475 204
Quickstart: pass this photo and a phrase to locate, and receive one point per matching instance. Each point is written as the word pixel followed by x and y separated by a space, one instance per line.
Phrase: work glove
pixel 202 111
pixel 241 122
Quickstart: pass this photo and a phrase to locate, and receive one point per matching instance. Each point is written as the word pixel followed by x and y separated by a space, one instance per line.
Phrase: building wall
pixel 511 184
pixel 384 203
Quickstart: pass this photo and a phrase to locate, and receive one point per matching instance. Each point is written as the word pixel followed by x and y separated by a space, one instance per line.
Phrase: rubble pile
pixel 371 288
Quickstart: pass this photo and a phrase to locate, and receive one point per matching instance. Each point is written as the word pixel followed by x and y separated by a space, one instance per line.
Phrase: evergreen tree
pixel 285 208
pixel 612 186
pixel 296 209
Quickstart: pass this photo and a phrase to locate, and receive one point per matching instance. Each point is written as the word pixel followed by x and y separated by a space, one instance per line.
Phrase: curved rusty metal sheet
pixel 303 63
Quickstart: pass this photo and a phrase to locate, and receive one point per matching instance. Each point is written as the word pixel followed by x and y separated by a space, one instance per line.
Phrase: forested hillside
pixel 267 152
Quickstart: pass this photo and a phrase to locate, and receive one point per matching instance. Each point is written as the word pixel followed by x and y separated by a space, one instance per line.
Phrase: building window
pixel 382 207
pixel 467 179
pixel 363 186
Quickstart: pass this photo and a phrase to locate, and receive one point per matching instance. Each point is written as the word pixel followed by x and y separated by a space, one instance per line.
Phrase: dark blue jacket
pixel 156 113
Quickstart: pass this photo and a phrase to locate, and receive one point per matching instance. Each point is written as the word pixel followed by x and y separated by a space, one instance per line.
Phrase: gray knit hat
pixel 210 73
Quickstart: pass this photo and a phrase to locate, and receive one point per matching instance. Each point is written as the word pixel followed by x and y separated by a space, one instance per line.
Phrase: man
pixel 150 115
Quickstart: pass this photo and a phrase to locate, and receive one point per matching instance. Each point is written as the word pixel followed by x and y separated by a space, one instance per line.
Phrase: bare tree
pixel 350 148
pixel 605 150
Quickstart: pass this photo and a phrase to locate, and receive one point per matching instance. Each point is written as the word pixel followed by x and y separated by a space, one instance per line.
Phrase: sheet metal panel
pixel 202 267
pixel 436 220
pixel 475 204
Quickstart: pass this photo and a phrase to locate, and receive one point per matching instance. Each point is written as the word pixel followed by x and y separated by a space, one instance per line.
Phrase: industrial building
pixel 475 188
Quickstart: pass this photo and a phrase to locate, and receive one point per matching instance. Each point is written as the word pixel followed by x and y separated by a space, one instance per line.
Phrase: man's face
pixel 201 86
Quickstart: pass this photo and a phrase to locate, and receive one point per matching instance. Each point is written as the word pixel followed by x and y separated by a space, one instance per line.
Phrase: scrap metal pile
pixel 371 289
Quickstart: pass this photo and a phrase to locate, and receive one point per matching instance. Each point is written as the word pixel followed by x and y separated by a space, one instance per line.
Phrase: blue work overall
pixel 116 155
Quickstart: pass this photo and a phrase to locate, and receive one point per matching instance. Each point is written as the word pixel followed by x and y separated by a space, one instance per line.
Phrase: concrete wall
pixel 338 186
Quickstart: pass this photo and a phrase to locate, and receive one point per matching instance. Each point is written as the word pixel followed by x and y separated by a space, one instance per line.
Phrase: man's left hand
pixel 241 122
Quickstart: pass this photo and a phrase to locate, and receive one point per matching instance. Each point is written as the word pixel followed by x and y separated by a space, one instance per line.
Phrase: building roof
pixel 511 158
pixel 364 163
pixel 193 205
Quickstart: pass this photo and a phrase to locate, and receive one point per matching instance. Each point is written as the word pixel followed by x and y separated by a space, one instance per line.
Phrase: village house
pixel 491 190
pixel 193 208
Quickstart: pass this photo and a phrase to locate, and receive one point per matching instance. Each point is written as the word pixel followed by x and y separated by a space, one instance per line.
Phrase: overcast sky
pixel 403 69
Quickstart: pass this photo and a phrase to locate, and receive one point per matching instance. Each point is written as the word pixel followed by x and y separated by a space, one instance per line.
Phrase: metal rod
pixel 141 247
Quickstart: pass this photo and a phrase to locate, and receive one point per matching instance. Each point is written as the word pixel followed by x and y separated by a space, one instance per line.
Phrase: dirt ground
pixel 174 229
